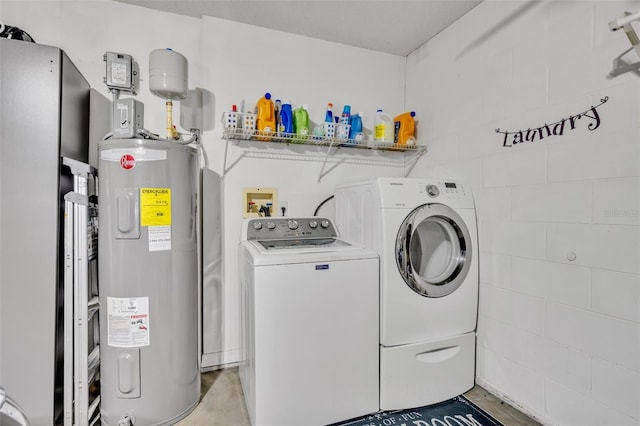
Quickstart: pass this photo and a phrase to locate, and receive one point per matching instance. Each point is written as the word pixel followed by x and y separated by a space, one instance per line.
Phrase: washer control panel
pixel 269 228
pixel 445 189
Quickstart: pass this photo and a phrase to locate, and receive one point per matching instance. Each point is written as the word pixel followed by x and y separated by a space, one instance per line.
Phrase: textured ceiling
pixel 397 27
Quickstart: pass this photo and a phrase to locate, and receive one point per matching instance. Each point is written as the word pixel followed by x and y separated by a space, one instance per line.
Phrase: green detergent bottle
pixel 301 122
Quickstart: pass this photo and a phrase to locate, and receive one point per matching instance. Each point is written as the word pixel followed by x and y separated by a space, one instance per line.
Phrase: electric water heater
pixel 148 281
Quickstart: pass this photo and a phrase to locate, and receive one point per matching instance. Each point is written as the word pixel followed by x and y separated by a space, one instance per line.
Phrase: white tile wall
pixel 527 313
pixel 617 387
pixel 601 336
pixel 507 238
pixel 557 282
pixel 495 303
pixel 514 167
pixel 570 367
pixel 569 408
pixel 617 202
pixel 552 203
pixel 495 269
pixel 601 246
pixel 493 202
pixel 494 336
pixel 616 294
pixel 586 160
pixel 572 326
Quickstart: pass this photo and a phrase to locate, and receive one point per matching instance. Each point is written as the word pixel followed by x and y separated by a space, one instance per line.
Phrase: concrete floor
pixel 222 403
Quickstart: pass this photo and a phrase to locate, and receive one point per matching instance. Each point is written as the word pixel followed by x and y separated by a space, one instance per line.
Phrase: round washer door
pixel 433 250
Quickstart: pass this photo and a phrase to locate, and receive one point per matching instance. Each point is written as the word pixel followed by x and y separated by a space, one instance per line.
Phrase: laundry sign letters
pixel 591 120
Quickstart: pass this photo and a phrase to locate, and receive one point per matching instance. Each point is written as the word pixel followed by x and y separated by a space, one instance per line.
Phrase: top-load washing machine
pixel 310 323
pixel 425 233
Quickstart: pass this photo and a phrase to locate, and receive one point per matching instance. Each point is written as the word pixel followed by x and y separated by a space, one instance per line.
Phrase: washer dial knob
pixel 292 224
pixel 433 190
pixel 257 226
pixel 324 224
pixel 313 224
pixel 271 225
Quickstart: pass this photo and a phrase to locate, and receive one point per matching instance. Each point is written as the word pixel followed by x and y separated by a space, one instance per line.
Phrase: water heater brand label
pixel 139 154
pixel 128 321
pixel 127 161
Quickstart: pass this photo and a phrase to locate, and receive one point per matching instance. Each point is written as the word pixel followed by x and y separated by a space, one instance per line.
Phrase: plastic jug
pixel 266 122
pixel 355 133
pixel 286 117
pixel 405 128
pixel 301 120
pixel 383 127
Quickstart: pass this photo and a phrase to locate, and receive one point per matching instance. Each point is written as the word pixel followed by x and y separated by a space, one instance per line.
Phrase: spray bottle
pixel 328 116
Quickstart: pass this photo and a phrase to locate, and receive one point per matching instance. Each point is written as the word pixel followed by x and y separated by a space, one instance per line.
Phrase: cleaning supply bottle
pixel 346 115
pixel 383 127
pixel 276 110
pixel 286 117
pixel 355 133
pixel 328 116
pixel 405 128
pixel 301 121
pixel 266 122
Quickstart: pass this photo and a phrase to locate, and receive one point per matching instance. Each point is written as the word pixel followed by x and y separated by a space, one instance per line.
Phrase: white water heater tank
pixel 168 74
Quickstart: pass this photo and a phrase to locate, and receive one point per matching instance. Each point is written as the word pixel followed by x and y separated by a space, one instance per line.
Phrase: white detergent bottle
pixel 383 127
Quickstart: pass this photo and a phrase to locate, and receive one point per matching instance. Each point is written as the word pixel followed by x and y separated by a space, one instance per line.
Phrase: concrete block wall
pixel 558 218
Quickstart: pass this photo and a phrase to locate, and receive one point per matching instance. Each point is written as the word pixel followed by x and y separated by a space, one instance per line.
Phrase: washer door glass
pixel 433 250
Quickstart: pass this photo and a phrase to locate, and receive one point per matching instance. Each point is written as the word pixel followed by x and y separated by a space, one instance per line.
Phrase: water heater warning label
pixel 155 206
pixel 128 321
pixel 159 238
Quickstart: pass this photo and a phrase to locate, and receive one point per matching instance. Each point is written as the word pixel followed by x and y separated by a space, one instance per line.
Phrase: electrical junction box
pixel 259 202
pixel 122 72
pixel 128 118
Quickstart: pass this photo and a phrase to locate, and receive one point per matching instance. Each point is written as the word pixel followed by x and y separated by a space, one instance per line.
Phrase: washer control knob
pixel 324 224
pixel 292 224
pixel 257 226
pixel 433 190
pixel 313 224
pixel 271 225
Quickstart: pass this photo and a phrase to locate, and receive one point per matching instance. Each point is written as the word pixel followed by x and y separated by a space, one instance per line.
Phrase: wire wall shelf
pixel 328 150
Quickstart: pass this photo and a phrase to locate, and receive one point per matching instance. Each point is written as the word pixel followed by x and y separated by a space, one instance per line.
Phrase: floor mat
pixel 458 411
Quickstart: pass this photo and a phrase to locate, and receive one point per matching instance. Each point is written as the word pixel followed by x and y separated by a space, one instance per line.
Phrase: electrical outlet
pixel 283 208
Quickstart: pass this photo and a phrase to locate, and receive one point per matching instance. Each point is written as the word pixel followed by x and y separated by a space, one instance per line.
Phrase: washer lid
pixel 308 243
pixel 433 250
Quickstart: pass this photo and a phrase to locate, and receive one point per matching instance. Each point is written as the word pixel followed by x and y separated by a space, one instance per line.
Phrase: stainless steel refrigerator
pixel 44 115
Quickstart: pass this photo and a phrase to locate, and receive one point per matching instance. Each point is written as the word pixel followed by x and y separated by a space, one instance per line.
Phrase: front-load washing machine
pixel 426 235
pixel 310 323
